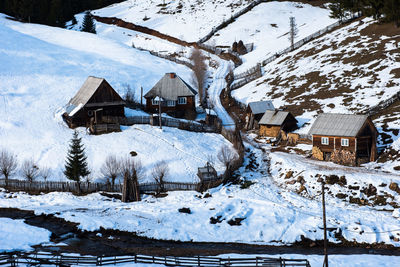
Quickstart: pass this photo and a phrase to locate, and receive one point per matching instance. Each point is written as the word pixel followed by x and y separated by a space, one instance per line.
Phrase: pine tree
pixel 75 165
pixel 88 23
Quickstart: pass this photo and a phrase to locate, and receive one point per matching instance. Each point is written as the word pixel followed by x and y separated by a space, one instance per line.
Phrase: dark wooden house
pixel 344 138
pixel 176 96
pixel 95 99
pixel 273 121
pixel 255 111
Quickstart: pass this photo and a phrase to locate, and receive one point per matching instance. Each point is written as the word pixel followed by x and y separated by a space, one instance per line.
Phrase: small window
pixel 345 142
pixel 182 100
pixel 325 140
pixel 154 102
pixel 171 103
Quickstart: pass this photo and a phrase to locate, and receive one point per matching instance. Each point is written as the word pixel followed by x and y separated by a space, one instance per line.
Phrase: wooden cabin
pixel 273 121
pixel 255 111
pixel 95 99
pixel 344 138
pixel 176 96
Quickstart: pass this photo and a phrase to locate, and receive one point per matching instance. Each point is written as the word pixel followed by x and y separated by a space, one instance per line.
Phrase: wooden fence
pixel 40 258
pixel 86 188
pixel 51 186
pixel 383 105
pixel 296 45
pixel 187 125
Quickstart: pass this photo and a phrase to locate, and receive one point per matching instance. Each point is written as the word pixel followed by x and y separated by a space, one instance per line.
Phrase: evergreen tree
pixel 391 10
pixel 75 165
pixel 88 23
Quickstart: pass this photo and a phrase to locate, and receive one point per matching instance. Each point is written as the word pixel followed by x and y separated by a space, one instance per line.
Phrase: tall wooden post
pixel 324 221
pixel 159 108
pixel 141 96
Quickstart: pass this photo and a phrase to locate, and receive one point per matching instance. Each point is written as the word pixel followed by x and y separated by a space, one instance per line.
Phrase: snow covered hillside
pixel 189 20
pixel 261 213
pixel 43 67
pixel 267 26
pixel 345 71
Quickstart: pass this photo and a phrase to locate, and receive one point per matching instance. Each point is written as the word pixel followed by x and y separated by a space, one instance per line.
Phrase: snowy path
pixel 215 90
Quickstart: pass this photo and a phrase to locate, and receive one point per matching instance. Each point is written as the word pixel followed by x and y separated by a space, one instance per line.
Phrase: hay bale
pixel 317 153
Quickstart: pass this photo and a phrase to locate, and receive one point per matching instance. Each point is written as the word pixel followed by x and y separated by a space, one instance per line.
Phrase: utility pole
pixel 159 108
pixel 141 96
pixel 324 221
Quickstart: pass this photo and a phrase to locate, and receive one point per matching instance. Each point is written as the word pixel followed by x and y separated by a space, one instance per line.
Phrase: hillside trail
pixel 214 92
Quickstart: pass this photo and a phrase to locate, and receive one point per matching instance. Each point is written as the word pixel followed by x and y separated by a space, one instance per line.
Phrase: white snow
pixel 16 235
pixel 43 69
pixel 271 215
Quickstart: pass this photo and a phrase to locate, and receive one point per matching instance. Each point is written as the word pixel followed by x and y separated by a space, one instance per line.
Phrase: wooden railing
pixel 40 258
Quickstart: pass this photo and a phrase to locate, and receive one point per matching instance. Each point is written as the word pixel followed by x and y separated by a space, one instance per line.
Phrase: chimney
pixel 172 75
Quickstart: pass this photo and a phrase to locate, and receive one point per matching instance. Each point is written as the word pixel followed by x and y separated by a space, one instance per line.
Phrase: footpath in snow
pixel 219 84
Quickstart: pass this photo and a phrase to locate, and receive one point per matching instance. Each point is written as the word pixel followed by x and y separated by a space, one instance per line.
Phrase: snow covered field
pixel 44 67
pixel 267 26
pixel 16 235
pixel 189 20
pixel 267 214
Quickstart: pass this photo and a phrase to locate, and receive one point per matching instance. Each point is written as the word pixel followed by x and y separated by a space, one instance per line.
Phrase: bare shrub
pixel 199 72
pixel 30 170
pixel 130 95
pixel 45 173
pixel 226 156
pixel 160 171
pixel 8 164
pixel 111 168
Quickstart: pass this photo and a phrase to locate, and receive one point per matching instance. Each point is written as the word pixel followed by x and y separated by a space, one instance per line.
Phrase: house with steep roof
pixel 275 121
pixel 173 95
pixel 347 139
pixel 255 111
pixel 95 99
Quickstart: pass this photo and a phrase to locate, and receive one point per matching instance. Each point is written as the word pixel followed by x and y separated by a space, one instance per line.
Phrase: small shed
pixel 273 121
pixel 347 139
pixel 207 173
pixel 255 111
pixel 177 97
pixel 95 99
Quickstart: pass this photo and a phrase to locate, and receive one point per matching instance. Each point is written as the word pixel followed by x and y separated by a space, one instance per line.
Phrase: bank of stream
pixel 67 238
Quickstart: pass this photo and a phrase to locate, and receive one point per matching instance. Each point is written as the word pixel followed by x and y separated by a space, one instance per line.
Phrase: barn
pixel 273 121
pixel 95 99
pixel 347 139
pixel 255 111
pixel 173 95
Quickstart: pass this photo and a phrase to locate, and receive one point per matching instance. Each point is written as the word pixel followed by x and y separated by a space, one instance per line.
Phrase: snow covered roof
pixel 334 124
pixel 87 90
pixel 260 107
pixel 272 117
pixel 171 86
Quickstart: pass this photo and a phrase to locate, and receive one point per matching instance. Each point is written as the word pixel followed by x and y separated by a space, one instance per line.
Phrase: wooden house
pixel 176 96
pixel 255 111
pixel 95 99
pixel 273 121
pixel 207 173
pixel 344 138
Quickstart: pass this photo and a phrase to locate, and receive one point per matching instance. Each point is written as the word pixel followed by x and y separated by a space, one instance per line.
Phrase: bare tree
pixel 111 168
pixel 132 171
pixel 45 172
pixel 199 72
pixel 8 164
pixel 160 171
pixel 30 170
pixel 130 96
pixel 293 31
pixel 226 156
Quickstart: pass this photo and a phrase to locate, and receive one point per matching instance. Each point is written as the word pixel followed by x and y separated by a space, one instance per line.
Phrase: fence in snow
pixel 165 121
pixel 382 105
pixel 251 77
pixel 41 258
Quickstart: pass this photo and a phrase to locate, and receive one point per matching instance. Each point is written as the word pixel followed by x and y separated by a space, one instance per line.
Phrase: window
pixel 345 142
pixel 325 140
pixel 154 102
pixel 171 103
pixel 182 100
